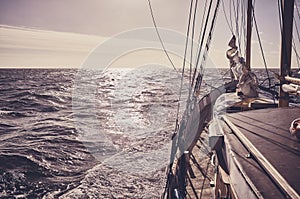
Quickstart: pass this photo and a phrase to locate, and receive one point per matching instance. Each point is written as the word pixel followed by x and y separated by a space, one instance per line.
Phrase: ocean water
pixel 67 133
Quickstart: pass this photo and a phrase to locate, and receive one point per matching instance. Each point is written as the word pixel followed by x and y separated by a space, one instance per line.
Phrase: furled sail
pixel 247 80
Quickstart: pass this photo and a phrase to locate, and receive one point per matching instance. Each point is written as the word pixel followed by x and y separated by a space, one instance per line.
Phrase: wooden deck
pixel 265 135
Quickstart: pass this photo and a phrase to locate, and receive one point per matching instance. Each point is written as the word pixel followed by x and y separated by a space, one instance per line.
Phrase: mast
pixel 249 31
pixel 286 47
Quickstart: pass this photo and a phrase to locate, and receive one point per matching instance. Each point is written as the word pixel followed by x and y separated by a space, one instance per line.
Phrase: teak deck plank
pixel 268 131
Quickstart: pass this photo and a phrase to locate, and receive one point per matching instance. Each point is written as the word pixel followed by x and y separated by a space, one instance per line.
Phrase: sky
pixel 63 33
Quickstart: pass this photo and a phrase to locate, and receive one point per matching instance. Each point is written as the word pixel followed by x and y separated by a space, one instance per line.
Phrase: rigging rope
pixel 296 53
pixel 238 8
pixel 244 23
pixel 180 93
pixel 183 64
pixel 192 46
pixel 210 33
pixel 201 26
pixel 298 36
pixel 297 31
pixel 262 51
pixel 201 43
pixel 298 11
pixel 236 18
pixel 183 122
pixel 206 48
pixel 230 27
pixel 199 38
pixel 159 37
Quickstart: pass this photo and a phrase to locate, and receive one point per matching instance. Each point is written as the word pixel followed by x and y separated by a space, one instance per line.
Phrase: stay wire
pixel 192 46
pixel 202 40
pixel 294 43
pixel 199 40
pixel 280 11
pixel 297 30
pixel 296 53
pixel 207 45
pixel 182 75
pixel 183 64
pixel 202 23
pixel 210 33
pixel 262 52
pixel 297 11
pixel 159 37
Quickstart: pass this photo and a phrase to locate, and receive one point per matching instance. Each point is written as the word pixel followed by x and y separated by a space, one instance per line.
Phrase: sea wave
pixel 88 134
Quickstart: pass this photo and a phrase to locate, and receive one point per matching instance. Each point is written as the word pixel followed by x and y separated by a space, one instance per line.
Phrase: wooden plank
pixel 263 161
pixel 268 130
pixel 256 174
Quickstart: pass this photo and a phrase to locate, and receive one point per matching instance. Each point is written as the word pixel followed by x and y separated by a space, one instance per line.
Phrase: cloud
pixel 25 47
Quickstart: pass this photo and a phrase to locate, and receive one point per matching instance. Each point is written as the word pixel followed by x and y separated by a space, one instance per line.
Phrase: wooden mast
pixel 249 31
pixel 286 47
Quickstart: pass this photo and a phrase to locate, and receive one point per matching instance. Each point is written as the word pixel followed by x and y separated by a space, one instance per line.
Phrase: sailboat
pixel 254 141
